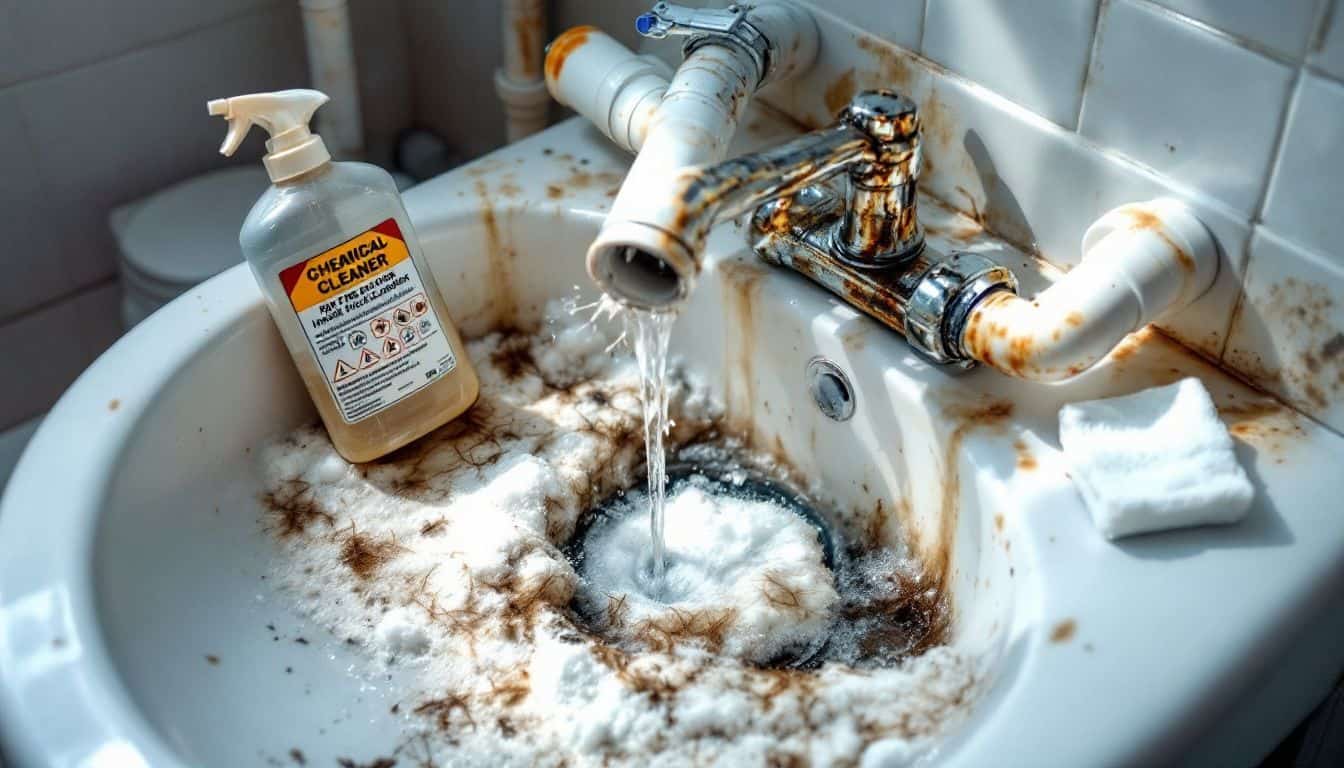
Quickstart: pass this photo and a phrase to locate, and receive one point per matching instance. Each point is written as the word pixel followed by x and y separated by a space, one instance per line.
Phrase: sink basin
pixel 137 626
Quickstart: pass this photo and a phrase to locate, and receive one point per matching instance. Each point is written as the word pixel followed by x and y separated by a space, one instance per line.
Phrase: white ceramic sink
pixel 130 547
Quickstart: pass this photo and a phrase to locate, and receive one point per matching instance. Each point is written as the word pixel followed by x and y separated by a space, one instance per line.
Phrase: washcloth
pixel 1154 460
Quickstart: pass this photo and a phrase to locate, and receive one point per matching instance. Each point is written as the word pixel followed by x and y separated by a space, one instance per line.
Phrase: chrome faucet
pixel 866 246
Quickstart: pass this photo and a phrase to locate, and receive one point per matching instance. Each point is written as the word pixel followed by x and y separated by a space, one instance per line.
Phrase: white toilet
pixel 181 235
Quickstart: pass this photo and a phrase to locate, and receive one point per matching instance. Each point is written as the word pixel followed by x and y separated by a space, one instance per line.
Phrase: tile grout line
pixel 1093 54
pixel 1246 43
pixel 923 25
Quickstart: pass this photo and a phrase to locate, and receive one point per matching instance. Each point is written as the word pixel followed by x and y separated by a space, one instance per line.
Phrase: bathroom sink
pixel 137 625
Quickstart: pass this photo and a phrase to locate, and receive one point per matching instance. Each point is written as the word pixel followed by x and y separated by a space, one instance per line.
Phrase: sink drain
pixel 732 482
pixel 830 389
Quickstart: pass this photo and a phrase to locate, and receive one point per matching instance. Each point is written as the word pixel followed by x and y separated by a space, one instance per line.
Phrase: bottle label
pixel 368 319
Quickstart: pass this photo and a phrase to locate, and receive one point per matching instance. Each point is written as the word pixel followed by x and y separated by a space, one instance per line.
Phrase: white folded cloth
pixel 1154 460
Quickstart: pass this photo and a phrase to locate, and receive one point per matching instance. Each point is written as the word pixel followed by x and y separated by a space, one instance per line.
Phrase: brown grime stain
pixel 1025 460
pixel 1074 318
pixel 554 191
pixel 1063 631
pixel 998 522
pixel 839 93
pixel 500 258
pixel 113 404
pixel 967 418
pixel 527 30
pixel 364 555
pixel 212 659
pixel 561 47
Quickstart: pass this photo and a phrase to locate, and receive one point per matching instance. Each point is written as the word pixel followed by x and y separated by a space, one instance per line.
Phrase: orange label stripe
pixel 354 262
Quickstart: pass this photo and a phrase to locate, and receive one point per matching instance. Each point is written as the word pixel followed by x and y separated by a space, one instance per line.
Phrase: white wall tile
pixel 57 342
pixel 1329 55
pixel 1283 26
pixel 1306 195
pixel 896 21
pixel 1189 103
pixel 1288 335
pixel 114 131
pixel 1033 53
pixel 10 64
pixel 56 35
pixel 27 218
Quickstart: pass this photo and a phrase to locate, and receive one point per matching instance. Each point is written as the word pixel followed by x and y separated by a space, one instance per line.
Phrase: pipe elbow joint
pixel 1141 262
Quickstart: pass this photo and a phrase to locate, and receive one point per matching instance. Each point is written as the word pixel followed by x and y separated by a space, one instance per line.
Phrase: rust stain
pixel 561 47
pixel 998 522
pixel 1025 460
pixel 839 92
pixel 891 67
pixel 113 404
pixel 1148 222
pixel 1308 368
pixel 500 257
pixel 742 284
pixel 527 36
pixel 554 191
pixel 1064 631
pixel 967 418
pixel 1266 424
pixel 1074 318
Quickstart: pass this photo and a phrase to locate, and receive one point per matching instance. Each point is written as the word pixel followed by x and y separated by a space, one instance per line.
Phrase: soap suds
pixel 444 560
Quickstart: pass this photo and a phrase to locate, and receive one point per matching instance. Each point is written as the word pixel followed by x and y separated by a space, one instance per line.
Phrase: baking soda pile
pixel 445 557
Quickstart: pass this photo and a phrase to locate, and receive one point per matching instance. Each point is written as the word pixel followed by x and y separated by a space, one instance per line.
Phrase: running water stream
pixel 651 330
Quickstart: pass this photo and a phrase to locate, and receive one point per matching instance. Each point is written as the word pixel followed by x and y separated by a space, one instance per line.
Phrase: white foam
pixel 752 568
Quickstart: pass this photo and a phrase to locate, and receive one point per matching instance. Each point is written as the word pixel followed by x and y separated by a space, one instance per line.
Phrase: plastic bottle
pixel 339 264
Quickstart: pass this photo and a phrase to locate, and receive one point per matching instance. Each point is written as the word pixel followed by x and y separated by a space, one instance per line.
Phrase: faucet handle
pixel 667 19
pixel 885 116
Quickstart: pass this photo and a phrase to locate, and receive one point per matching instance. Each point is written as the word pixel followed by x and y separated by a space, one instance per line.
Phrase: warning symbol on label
pixel 425 325
pixel 408 335
pixel 402 315
pixel 343 371
pixel 380 327
pixel 391 348
pixel 419 306
pixel 367 359
pixel 357 339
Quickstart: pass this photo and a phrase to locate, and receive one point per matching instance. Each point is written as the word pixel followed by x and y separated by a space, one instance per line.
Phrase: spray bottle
pixel 343 274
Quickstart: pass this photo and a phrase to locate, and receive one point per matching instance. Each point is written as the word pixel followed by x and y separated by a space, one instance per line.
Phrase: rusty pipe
pixel 1140 262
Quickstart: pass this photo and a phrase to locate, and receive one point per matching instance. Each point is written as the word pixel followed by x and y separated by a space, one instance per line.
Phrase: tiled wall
pixel 103 103
pixel 1040 116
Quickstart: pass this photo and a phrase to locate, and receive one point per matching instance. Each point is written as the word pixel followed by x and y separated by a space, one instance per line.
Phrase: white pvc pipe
pixel 331 66
pixel 602 80
pixel 1140 261
pixel 641 256
pixel 519 82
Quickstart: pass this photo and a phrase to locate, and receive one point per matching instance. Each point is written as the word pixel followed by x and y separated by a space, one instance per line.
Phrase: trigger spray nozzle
pixel 292 149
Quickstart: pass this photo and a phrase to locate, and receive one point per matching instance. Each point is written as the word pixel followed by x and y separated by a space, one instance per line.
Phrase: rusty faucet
pixel 838 205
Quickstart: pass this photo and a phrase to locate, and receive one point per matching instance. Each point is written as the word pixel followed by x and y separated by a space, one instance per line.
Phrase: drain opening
pixel 830 389
pixel 733 484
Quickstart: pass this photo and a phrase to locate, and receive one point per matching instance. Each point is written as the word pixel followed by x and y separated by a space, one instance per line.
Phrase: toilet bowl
pixel 181 236
pixel 185 234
